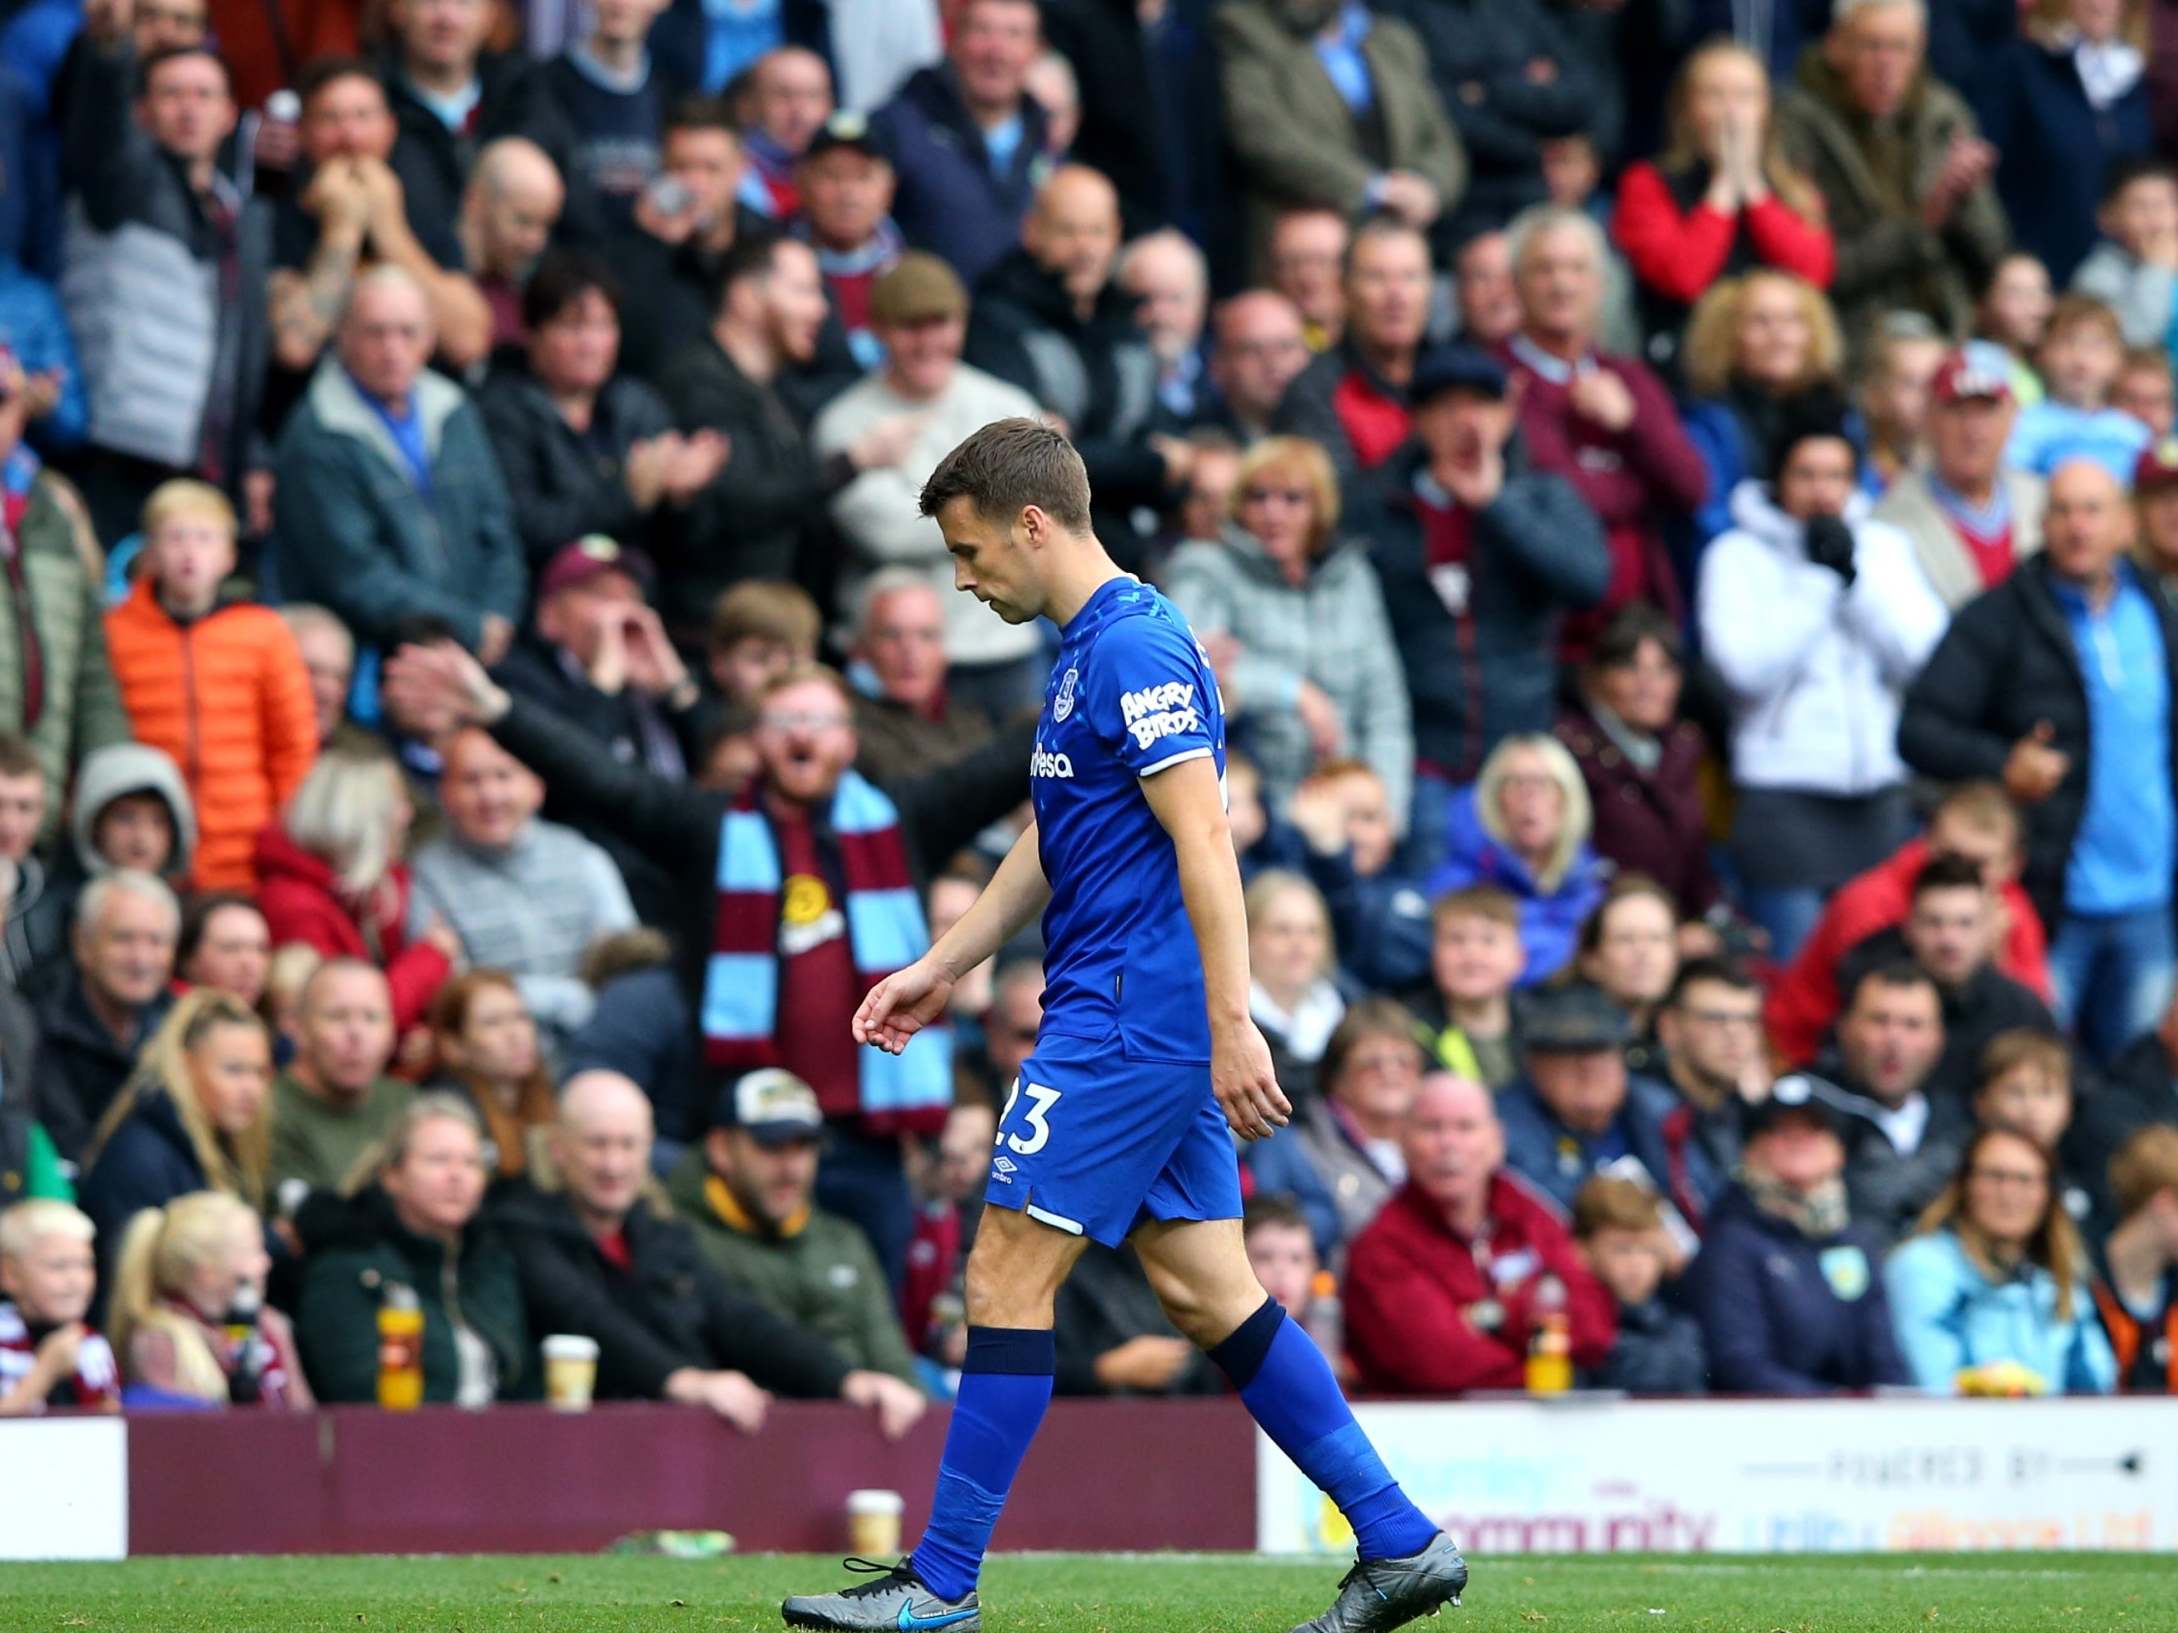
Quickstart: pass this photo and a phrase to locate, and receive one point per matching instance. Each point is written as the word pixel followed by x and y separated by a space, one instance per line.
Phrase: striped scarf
pixel 907 1092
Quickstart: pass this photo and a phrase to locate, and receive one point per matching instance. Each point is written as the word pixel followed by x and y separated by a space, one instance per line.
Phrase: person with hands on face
pixel 49 1354
pixel 349 211
pixel 1816 618
pixel 1146 946
pixel 597 1258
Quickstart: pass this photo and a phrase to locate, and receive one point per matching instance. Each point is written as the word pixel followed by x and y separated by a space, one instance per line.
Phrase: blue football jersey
pixel 1131 694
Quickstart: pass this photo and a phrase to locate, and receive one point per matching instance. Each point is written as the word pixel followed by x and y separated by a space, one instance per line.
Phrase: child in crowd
pixel 2079 360
pixel 1282 1253
pixel 189 1316
pixel 2145 390
pixel 948 1180
pixel 2134 270
pixel 2014 313
pixel 1894 396
pixel 216 684
pixel 2136 1276
pixel 48 1355
pixel 2025 1088
pixel 1620 1231
pixel 1379 915
pixel 1475 957
pixel 759 630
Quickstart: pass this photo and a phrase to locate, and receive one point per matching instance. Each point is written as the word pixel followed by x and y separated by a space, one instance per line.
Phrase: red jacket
pixel 302 901
pixel 1805 999
pixel 1679 253
pixel 1638 481
pixel 1412 1286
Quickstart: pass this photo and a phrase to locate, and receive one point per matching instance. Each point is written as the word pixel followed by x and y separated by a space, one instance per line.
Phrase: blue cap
pixel 1456 368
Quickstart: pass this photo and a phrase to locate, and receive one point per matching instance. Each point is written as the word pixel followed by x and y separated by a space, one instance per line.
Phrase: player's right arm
pixel 905 1002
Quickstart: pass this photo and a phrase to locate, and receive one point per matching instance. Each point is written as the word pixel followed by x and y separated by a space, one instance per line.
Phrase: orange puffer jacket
pixel 227 697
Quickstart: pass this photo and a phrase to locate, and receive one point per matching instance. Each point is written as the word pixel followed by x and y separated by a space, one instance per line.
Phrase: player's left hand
pixel 1247 1088
pixel 899 1406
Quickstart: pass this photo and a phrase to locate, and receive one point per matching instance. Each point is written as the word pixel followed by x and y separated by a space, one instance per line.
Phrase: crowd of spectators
pixel 1685 525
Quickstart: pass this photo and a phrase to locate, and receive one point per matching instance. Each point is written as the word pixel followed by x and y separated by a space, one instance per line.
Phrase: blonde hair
pixel 25 1225
pixel 187 497
pixel 234 1164
pixel 1710 353
pixel 1273 883
pixel 1682 148
pixel 2055 1244
pixel 343 813
pixel 1300 457
pixel 1579 814
pixel 381 1157
pixel 158 1251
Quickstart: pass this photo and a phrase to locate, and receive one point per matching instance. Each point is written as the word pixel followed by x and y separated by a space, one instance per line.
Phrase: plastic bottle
pixel 246 1347
pixel 400 1350
pixel 1326 1318
pixel 1550 1341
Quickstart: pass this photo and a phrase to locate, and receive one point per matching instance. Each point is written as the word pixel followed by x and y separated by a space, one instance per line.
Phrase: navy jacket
pixel 948 200
pixel 1482 663
pixel 1657 1130
pixel 1784 1315
pixel 148 1162
pixel 2036 111
pixel 1658 1351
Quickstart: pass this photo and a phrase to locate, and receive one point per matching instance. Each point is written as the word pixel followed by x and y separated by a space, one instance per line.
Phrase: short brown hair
pixel 1008 466
pixel 801 673
pixel 1607 1202
pixel 1369 1018
pixel 2145 1166
pixel 2076 311
pixel 18 758
pixel 2008 1052
pixel 768 609
pixel 2138 358
pixel 1475 902
pixel 1981 804
pixel 1267 1212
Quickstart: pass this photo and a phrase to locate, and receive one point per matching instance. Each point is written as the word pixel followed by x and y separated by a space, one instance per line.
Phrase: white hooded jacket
pixel 1816 669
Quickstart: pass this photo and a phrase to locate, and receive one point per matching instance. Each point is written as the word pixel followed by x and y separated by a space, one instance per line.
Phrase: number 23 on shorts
pixel 1041 1100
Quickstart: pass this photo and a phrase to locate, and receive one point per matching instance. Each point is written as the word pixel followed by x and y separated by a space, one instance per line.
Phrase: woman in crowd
pixel 485 1040
pixel 1815 618
pixel 189 1319
pixel 1757 347
pixel 225 943
pixel 2014 313
pixel 1641 761
pixel 416 1226
pixel 1721 199
pixel 1630 948
pixel 585 450
pixel 196 1115
pixel 1524 827
pixel 1317 674
pixel 1294 997
pixel 1991 1296
pixel 1340 1160
pixel 2061 105
pixel 330 875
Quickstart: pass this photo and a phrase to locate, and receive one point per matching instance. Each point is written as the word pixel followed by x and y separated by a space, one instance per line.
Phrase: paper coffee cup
pixel 873 1523
pixel 570 1363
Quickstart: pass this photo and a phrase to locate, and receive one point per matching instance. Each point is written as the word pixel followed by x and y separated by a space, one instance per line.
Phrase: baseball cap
pixel 1456 368
pixel 2157 466
pixel 916 289
pixel 1975 370
pixel 1797 1094
pixel 845 128
pixel 771 1105
pixel 1575 1019
pixel 576 564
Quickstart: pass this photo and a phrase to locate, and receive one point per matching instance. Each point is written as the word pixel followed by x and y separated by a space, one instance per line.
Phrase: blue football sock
pixel 1005 1385
pixel 1288 1385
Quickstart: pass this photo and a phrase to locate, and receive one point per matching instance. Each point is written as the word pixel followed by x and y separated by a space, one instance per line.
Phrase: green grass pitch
pixel 1080 1593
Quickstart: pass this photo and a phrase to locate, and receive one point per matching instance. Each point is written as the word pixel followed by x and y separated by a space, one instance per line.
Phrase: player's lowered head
pixel 1013 504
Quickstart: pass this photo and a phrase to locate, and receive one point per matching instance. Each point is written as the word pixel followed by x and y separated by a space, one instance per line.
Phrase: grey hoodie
pixel 130 768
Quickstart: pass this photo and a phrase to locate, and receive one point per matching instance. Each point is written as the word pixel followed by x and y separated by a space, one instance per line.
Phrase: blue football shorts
pixel 1093 1143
